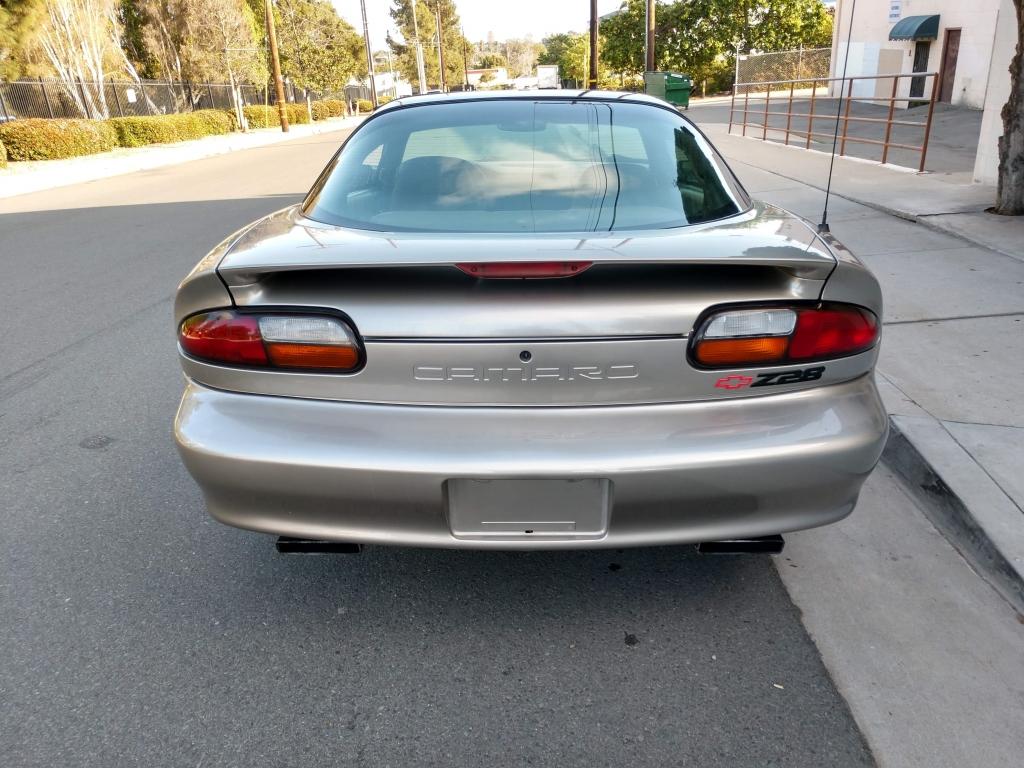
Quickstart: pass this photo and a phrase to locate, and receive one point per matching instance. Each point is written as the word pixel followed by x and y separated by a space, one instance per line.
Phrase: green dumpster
pixel 670 86
pixel 677 89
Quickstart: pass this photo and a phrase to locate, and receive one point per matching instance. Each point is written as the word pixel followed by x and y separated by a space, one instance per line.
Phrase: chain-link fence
pixel 57 98
pixel 801 64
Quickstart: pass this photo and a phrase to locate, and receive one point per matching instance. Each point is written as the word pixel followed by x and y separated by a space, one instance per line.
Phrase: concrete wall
pixel 871 51
pixel 998 91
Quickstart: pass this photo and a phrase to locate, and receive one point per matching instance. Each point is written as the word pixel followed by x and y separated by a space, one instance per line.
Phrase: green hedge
pixel 3 155
pixel 297 114
pixel 365 105
pixel 216 122
pixel 42 139
pixel 164 129
pixel 328 108
pixel 267 117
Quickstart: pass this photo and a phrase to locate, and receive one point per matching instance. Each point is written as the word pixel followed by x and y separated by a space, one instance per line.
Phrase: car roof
pixel 547 94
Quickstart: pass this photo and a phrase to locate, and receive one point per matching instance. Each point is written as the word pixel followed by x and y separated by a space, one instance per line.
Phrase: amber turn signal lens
pixel 284 355
pixel 752 350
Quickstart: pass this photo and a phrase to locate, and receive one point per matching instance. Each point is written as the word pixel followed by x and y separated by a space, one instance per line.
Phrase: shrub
pixel 229 114
pixel 320 110
pixel 259 116
pixel 365 105
pixel 297 113
pixel 139 131
pixel 328 108
pixel 3 155
pixel 215 122
pixel 164 129
pixel 42 139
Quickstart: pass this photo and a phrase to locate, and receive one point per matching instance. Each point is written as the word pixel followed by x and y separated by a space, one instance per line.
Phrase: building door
pixel 947 74
pixel 921 50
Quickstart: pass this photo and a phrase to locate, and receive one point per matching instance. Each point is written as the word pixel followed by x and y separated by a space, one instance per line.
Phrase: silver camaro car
pixel 529 321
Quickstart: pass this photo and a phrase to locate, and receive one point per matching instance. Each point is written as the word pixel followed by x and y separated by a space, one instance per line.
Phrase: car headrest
pixel 426 182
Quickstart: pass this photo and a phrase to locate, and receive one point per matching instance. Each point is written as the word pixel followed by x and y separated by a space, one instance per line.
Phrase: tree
pixel 319 50
pixel 623 38
pixel 772 25
pixel 571 52
pixel 164 33
pixel 1010 190
pixel 82 42
pixel 521 55
pixel 20 22
pixel 219 42
pixel 699 37
pixel 490 61
pixel 453 44
pixel 132 18
pixel 697 41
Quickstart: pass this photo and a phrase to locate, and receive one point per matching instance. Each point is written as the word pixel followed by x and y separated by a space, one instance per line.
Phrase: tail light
pixel 749 337
pixel 289 342
pixel 525 269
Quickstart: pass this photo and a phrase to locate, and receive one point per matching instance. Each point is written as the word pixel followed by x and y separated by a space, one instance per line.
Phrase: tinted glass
pixel 525 166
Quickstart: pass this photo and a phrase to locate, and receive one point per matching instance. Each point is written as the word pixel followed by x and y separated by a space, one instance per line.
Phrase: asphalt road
pixel 136 631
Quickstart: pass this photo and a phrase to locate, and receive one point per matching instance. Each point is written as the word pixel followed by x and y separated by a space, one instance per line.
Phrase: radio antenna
pixel 823 227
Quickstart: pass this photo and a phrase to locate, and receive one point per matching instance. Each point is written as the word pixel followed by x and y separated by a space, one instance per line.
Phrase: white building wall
pixel 976 19
pixel 986 164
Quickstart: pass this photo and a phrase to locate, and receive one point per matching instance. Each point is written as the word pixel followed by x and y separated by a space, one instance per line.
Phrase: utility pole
pixel 650 36
pixel 440 47
pixel 465 59
pixel 419 51
pixel 592 78
pixel 369 56
pixel 276 64
pixel 394 80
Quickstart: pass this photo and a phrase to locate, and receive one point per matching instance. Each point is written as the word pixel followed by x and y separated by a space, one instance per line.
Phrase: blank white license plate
pixel 528 508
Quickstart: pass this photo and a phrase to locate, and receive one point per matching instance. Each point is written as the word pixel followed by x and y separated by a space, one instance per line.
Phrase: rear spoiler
pixel 762 236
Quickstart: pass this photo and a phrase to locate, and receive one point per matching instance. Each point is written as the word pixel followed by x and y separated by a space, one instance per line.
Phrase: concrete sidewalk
pixel 953 349
pixel 35 176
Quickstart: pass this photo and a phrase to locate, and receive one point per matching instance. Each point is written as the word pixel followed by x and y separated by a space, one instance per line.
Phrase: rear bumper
pixel 679 472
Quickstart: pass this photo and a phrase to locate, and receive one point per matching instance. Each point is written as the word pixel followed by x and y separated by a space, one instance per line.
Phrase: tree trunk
pixel 1010 193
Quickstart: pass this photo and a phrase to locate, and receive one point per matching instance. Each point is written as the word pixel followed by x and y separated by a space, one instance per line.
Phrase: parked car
pixel 529 321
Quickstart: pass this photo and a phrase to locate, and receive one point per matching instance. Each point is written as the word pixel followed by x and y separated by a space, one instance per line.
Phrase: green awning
pixel 916 28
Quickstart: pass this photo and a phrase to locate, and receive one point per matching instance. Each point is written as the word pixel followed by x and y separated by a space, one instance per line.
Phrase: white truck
pixel 547 76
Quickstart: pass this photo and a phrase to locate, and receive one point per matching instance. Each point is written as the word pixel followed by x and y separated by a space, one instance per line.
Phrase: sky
pixel 505 18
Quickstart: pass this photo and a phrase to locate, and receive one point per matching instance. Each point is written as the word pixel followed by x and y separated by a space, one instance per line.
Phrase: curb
pixel 961 501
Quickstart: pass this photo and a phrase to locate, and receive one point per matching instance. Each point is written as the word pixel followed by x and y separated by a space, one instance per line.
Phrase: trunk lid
pixel 615 334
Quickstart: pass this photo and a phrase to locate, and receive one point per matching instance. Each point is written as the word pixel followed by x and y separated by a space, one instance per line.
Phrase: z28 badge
pixel 736 381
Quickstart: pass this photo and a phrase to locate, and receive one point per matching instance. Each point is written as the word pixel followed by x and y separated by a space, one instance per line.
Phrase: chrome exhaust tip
pixel 762 545
pixel 289 546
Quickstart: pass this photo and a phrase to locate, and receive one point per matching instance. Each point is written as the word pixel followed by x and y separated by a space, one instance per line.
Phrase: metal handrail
pixel 747 109
pixel 834 79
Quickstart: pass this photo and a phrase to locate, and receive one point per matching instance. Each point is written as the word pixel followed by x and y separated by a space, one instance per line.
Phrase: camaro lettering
pixel 736 381
pixel 527 373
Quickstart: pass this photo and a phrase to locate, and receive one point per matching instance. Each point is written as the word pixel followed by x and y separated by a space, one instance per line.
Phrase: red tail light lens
pixel 293 342
pixel 224 337
pixel 534 269
pixel 774 335
pixel 832 331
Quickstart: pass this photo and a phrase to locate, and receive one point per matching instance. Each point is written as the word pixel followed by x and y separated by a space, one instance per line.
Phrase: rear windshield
pixel 525 166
